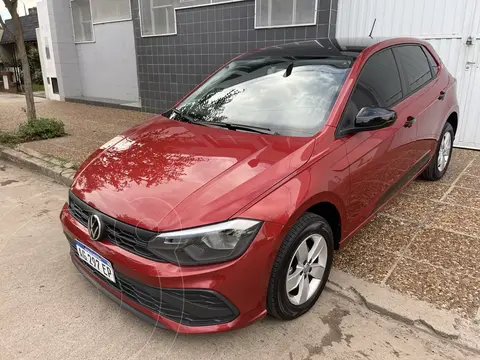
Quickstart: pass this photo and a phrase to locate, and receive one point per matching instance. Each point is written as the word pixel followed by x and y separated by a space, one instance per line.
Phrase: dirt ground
pixel 88 127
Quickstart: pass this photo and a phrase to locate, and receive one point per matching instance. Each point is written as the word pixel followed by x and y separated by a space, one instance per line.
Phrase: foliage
pixel 7 62
pixel 42 128
pixel 30 130
pixel 206 109
pixel 35 66
pixel 8 138
pixel 38 87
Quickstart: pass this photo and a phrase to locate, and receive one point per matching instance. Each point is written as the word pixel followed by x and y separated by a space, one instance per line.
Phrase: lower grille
pixel 191 307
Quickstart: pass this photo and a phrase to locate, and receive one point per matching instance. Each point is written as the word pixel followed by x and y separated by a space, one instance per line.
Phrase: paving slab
pixel 455 218
pixel 444 288
pixel 474 168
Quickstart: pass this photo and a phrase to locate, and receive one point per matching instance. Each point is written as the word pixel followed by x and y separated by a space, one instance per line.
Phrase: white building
pixel 76 67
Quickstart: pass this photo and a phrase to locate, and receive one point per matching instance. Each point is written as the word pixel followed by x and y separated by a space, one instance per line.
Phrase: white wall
pixel 105 68
pixel 420 18
pixel 64 52
pixel 108 66
pixel 44 37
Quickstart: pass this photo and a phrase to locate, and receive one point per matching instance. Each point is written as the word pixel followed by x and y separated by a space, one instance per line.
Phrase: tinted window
pixel 290 97
pixel 55 85
pixel 378 85
pixel 432 62
pixel 415 65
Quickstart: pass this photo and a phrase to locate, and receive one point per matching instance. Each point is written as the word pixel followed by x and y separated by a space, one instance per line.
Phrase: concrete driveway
pixel 49 311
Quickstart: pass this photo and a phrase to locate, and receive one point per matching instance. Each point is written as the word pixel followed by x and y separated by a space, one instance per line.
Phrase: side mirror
pixel 373 118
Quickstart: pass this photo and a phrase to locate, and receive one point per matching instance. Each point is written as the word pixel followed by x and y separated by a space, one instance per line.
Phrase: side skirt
pixel 404 180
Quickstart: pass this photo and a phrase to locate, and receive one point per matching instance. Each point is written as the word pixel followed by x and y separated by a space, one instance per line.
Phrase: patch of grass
pixel 38 87
pixel 30 130
pixel 40 129
pixel 8 138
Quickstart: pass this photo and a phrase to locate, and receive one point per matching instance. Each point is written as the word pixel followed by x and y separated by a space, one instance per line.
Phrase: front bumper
pixel 193 299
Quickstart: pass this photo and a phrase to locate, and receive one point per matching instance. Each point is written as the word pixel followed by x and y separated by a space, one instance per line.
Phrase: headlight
pixel 207 244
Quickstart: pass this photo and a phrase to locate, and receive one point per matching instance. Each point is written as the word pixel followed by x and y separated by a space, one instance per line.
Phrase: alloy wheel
pixel 306 269
pixel 444 151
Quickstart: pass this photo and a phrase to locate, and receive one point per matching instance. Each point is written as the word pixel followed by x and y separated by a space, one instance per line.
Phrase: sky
pixel 28 4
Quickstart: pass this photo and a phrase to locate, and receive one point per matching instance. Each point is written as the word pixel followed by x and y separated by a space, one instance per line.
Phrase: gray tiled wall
pixel 207 37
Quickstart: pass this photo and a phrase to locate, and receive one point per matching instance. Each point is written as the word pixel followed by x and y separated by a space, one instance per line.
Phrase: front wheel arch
pixel 331 214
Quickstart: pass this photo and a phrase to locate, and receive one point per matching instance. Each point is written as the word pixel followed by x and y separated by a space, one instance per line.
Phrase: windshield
pixel 288 97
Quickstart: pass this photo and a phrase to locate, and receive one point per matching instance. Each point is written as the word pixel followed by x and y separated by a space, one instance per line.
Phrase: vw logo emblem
pixel 94 227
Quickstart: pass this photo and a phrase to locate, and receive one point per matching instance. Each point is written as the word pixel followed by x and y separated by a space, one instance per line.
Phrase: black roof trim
pixel 298 50
pixel 326 47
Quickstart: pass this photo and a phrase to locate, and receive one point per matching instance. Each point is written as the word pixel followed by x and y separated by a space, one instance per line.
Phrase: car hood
pixel 166 174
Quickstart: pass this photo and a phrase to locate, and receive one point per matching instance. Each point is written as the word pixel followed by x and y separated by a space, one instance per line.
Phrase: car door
pixel 424 94
pixel 378 159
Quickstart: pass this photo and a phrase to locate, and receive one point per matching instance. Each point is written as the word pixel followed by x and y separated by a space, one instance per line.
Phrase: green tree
pixel 35 66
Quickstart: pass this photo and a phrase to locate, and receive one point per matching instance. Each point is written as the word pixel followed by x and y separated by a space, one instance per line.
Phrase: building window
pixel 54 85
pixel 110 10
pixel 82 21
pixel 157 17
pixel 283 13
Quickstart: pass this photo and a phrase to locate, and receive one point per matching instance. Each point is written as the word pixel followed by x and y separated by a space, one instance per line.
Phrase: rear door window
pixel 415 65
pixel 433 64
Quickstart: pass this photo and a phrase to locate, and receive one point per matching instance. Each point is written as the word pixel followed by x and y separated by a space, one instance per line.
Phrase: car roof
pixel 326 47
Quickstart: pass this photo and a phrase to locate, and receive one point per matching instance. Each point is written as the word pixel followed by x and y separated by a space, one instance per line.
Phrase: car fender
pixel 453 109
pixel 295 196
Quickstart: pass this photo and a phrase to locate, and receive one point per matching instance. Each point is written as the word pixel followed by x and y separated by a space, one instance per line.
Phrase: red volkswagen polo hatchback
pixel 230 205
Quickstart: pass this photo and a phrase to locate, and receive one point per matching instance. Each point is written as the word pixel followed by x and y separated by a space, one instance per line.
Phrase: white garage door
pixel 448 25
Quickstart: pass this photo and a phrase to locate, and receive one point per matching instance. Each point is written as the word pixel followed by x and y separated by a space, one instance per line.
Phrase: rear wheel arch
pixel 453 120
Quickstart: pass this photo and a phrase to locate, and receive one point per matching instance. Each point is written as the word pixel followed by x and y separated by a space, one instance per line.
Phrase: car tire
pixel 311 231
pixel 438 166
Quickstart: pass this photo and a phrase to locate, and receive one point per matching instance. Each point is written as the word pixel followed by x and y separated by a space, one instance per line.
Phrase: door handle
pixel 410 121
pixel 442 95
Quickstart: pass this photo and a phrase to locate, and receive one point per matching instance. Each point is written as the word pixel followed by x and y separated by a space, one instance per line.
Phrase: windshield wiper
pixel 186 117
pixel 251 128
pixel 230 126
pixel 189 119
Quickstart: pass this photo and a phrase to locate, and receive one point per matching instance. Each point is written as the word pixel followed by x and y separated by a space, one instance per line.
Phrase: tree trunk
pixel 22 52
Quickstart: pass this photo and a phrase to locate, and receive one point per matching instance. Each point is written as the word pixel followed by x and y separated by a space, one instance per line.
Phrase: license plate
pixel 96 261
